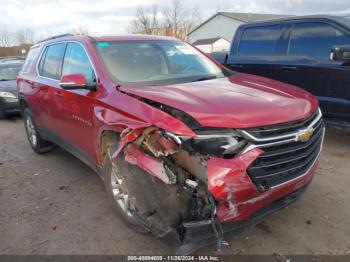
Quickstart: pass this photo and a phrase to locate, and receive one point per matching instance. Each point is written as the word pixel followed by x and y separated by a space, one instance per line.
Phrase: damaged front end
pixel 192 190
pixel 179 184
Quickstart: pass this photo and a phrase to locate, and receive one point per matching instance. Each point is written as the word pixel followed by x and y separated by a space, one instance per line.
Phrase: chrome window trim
pixel 44 46
pixel 247 135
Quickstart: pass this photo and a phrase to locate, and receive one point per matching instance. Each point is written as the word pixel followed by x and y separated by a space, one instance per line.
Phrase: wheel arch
pixel 107 138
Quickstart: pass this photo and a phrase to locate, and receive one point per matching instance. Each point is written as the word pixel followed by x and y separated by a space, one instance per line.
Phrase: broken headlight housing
pixel 212 142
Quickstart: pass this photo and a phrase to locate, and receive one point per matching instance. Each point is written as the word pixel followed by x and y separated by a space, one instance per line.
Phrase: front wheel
pixel 117 192
pixel 38 144
pixel 144 201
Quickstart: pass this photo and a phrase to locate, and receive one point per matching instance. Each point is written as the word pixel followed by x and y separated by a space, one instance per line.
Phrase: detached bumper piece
pixel 201 234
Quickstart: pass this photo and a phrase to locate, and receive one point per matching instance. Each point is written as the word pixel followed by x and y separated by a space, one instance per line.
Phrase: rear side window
pixel 315 40
pixel 259 41
pixel 76 61
pixel 51 61
pixel 30 58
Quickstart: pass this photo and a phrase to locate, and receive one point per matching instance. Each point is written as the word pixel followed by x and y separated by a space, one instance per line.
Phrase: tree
pixel 175 16
pixel 25 35
pixel 194 20
pixel 81 30
pixel 6 36
pixel 174 20
pixel 146 21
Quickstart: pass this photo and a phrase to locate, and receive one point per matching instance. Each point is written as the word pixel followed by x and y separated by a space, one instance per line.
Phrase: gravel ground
pixel 54 204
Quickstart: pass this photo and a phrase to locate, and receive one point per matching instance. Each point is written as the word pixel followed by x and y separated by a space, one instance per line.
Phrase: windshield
pixel 156 62
pixel 9 72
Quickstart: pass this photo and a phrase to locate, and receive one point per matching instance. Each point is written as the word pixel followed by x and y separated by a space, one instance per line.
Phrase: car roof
pixel 134 37
pixel 339 19
pixel 131 37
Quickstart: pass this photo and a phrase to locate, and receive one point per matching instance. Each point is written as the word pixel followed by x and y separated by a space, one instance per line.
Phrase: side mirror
pixel 76 81
pixel 341 54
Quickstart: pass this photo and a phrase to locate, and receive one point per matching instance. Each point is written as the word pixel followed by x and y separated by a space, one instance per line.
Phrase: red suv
pixel 187 149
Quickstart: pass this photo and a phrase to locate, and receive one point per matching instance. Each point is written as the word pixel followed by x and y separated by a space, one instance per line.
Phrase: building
pixel 224 24
pixel 210 45
pixel 15 50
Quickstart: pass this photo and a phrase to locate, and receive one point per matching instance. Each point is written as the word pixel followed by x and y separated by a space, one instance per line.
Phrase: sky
pixel 108 17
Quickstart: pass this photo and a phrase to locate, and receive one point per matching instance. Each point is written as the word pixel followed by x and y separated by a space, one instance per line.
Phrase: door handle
pixel 288 68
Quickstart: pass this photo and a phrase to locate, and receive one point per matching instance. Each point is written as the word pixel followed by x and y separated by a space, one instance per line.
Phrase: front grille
pixel 285 159
pixel 281 129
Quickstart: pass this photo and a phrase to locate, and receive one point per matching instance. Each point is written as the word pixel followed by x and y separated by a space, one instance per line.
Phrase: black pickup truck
pixel 312 52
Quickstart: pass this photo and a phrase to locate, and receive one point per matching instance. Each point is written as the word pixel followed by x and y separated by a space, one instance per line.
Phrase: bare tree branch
pixel 173 20
pixel 146 21
pixel 25 36
pixel 81 30
pixel 175 17
pixel 6 36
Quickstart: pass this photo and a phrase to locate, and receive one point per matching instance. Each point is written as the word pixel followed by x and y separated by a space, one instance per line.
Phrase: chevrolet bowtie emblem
pixel 304 135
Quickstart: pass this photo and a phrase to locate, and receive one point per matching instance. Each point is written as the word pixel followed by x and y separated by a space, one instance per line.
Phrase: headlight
pixel 7 95
pixel 218 143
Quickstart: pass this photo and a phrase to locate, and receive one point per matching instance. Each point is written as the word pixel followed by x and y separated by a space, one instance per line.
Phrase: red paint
pixel 126 139
pixel 241 101
pixel 227 175
pixel 151 165
pixel 236 194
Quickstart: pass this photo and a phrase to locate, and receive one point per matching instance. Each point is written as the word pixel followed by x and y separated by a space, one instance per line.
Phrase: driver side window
pixel 76 61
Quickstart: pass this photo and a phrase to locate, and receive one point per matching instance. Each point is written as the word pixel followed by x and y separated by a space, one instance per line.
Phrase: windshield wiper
pixel 203 78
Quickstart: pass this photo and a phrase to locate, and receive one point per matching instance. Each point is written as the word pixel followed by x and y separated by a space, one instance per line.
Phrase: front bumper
pixel 238 202
pixel 200 236
pixel 10 105
pixel 236 195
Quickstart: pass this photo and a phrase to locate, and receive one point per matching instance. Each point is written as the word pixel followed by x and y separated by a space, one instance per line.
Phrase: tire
pixel 38 144
pixel 155 207
pixel 127 215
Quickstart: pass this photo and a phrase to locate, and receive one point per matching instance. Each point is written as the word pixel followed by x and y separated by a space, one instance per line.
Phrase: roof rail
pixel 54 37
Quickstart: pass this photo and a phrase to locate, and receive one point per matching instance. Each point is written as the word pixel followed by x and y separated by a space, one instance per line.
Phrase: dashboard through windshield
pixel 156 62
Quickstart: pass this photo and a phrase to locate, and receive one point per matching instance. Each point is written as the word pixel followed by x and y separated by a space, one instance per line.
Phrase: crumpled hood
pixel 8 86
pixel 240 101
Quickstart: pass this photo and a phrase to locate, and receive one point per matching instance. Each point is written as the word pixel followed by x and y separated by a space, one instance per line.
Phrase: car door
pixel 75 121
pixel 306 63
pixel 49 90
pixel 253 50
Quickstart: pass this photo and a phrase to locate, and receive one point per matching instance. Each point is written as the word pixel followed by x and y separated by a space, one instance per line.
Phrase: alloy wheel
pixel 31 132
